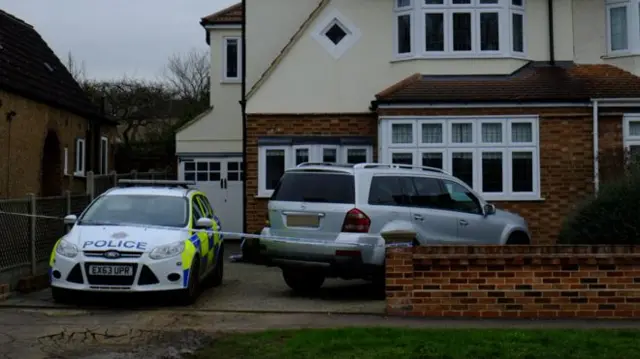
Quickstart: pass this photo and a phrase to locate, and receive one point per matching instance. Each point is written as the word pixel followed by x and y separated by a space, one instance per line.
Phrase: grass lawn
pixel 380 343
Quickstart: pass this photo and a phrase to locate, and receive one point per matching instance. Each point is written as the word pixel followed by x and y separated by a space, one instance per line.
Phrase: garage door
pixel 221 179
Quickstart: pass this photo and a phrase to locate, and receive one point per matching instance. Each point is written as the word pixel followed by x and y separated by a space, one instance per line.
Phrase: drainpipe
pixel 596 161
pixel 552 51
pixel 243 105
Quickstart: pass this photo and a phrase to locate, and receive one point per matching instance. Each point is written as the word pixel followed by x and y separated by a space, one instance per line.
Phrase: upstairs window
pixel 231 59
pixel 459 28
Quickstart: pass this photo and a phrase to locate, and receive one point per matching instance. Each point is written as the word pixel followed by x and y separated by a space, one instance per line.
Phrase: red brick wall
pixel 514 281
pixel 566 155
pixel 309 124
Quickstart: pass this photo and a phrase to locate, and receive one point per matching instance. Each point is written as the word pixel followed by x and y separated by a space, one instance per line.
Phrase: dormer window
pixel 459 28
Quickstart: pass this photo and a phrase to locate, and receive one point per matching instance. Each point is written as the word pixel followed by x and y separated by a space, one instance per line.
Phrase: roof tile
pixel 230 15
pixel 536 81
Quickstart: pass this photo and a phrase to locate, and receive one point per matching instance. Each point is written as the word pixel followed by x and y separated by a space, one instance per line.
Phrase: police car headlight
pixel 167 251
pixel 67 249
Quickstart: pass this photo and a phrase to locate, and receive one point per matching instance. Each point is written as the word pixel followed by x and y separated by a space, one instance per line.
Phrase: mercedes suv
pixel 325 220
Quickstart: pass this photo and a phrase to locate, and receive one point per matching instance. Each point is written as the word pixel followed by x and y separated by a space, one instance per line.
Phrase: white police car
pixel 139 237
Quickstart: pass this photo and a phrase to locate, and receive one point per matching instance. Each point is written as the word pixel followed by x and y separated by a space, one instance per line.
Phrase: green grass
pixel 380 343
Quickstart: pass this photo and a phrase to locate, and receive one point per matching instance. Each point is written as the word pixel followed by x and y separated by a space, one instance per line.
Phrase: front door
pixel 221 179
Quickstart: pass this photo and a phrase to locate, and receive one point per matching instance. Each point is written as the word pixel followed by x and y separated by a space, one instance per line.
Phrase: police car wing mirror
pixel 204 223
pixel 70 219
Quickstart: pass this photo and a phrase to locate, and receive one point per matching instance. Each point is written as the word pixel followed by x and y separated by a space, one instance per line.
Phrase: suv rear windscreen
pixel 321 187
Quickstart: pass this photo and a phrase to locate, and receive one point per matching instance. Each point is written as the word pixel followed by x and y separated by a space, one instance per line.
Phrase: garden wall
pixel 514 281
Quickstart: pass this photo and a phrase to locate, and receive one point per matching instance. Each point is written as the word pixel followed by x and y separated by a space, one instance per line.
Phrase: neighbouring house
pixel 521 99
pixel 51 135
pixel 209 148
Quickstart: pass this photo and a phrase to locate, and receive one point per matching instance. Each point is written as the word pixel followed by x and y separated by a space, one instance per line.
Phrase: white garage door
pixel 221 179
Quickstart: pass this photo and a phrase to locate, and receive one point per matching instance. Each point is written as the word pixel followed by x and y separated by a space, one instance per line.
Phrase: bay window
pixel 496 156
pixel 459 28
pixel 273 160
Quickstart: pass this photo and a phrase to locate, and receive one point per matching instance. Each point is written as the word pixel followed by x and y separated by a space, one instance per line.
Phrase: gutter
pixel 552 51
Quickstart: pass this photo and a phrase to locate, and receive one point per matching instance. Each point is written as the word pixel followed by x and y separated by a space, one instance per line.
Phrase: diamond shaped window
pixel 335 33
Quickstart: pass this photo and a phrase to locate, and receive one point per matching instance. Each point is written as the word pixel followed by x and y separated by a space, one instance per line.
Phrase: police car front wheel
pixel 192 291
pixel 61 295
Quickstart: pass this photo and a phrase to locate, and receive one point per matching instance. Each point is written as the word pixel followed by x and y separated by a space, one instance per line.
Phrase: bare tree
pixel 77 69
pixel 187 75
pixel 134 104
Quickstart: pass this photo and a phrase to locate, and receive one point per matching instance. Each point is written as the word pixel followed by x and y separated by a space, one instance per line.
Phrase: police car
pixel 141 236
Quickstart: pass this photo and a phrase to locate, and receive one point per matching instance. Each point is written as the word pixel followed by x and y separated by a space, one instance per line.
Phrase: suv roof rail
pixel 400 166
pixel 305 164
pixel 154 183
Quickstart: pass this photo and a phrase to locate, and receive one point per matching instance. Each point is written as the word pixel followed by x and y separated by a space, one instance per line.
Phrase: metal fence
pixel 30 226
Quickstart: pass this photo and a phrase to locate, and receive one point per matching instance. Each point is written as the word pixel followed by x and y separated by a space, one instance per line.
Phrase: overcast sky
pixel 118 37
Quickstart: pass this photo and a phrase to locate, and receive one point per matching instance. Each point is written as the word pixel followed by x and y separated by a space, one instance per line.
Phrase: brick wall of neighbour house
pixel 303 124
pixel 566 155
pixel 514 281
pixel 566 159
pixel 27 133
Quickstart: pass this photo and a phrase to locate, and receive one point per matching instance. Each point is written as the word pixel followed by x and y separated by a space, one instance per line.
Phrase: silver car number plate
pixel 122 271
pixel 303 221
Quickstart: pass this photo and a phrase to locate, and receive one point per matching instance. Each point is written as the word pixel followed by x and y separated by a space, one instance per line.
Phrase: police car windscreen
pixel 137 209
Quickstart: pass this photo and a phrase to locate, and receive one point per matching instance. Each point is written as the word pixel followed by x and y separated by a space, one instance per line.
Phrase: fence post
pixel 67 194
pixel 151 174
pixel 91 185
pixel 115 178
pixel 32 232
pixel 133 174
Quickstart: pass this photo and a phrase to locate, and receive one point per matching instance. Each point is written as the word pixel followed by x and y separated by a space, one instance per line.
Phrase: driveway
pixel 248 287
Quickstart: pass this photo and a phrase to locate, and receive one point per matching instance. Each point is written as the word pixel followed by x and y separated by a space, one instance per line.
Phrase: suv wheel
pixel 518 238
pixel 301 281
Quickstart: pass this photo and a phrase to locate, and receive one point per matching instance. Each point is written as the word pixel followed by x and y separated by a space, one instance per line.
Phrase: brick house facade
pixel 558 97
pixel 51 135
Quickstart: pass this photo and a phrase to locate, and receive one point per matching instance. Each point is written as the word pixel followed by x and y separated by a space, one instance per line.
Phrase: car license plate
pixel 312 221
pixel 121 271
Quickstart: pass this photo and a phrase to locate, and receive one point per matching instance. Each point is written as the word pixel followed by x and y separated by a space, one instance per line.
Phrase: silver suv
pixel 327 219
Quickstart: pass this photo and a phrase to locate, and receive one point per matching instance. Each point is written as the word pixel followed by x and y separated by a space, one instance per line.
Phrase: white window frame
pixel 414 134
pixel 315 155
pixel 104 155
pixel 79 166
pixel 627 139
pixel 225 78
pixel 476 147
pixel 418 10
pixel 65 161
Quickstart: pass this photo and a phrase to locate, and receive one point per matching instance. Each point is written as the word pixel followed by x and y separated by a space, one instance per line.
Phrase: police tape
pixel 244 236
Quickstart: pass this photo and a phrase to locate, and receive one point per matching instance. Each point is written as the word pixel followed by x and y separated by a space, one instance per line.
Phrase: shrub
pixel 612 217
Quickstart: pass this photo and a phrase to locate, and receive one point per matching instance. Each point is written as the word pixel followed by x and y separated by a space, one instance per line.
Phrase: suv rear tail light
pixel 356 222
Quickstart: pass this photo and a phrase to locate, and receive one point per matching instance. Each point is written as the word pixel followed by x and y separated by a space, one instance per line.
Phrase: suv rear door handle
pixel 418 217
pixel 463 222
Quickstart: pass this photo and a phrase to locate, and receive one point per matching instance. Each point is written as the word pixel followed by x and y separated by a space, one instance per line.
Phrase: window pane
pixel 356 155
pixel 315 187
pixel 462 133
pixel 432 133
pixel 214 166
pixel 433 2
pixel 634 128
pixel 401 133
pixel 492 172
pixel 521 132
pixel 432 159
pixel 488 2
pixel 202 177
pixel 302 155
pixel 461 31
pixel 434 32
pixel 522 168
pixel 335 34
pixel 429 194
pixel 403 3
pixel 189 166
pixel 618 28
pixel 203 166
pixel 516 2
pixel 386 191
pixel 517 28
pixel 190 176
pixel 460 2
pixel 232 58
pixel 462 166
pixel 489 31
pixel 402 158
pixel 404 34
pixel 274 167
pixel 232 166
pixel 329 155
pixel 214 176
pixel 233 176
pixel 491 132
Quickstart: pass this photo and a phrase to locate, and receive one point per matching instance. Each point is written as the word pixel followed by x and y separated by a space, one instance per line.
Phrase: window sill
pixel 79 175
pixel 231 81
pixel 398 58
pixel 621 54
pixel 262 195
pixel 498 198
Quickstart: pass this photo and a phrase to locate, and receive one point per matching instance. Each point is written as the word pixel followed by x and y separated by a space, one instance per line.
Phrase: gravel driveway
pixel 250 287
